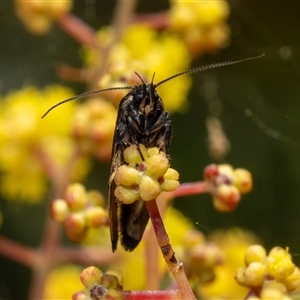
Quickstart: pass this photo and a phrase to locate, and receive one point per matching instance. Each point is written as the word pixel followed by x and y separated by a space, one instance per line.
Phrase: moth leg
pixel 134 132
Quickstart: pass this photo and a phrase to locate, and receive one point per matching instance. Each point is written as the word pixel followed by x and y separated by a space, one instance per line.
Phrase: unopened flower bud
pixel 126 194
pixel 59 210
pixel 157 165
pixel 242 179
pixel 76 196
pixel 149 188
pixel 96 216
pixel 132 155
pixel 255 274
pixel 90 276
pixel 255 253
pixel 126 175
pixel 110 281
pixel 292 282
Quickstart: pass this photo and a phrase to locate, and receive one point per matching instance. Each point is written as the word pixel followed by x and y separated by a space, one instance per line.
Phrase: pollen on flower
pixel 31 148
pixel 159 53
pixel 93 127
pixel 38 16
pixel 201 24
pixel 144 177
pixel 80 211
pixel 273 274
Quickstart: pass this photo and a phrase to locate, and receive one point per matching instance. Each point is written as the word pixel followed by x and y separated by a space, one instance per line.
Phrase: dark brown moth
pixel 141 119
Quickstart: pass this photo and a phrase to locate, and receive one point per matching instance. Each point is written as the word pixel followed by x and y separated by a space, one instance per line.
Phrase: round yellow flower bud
pixel 271 293
pixel 75 196
pixel 96 216
pixel 126 195
pixel 280 268
pixel 76 226
pixel 118 274
pixel 81 295
pixel 59 210
pixel 90 276
pixel 275 285
pixel 110 281
pixel 157 165
pixel 242 179
pixel 171 174
pixel 226 170
pixel 126 175
pixel 149 188
pixel 169 185
pixel 152 151
pixel 255 274
pixel 278 252
pixel 279 263
pixel 292 282
pixel 132 155
pixel 170 182
pixel 95 198
pixel 255 253
pixel 240 276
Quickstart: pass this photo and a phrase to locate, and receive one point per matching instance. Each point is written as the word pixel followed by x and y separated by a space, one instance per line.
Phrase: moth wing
pixel 112 200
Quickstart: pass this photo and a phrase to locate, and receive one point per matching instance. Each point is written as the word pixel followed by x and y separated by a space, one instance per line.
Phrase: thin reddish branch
pixel 174 265
pixel 78 30
pixel 151 295
pixel 88 256
pixel 190 188
pixel 153 276
pixel 18 252
pixel 158 20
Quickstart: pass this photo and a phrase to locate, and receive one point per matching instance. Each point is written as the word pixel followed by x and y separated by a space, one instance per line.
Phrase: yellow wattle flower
pixel 29 144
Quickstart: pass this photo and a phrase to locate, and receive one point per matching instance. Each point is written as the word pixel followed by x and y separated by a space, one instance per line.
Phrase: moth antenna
pixel 143 82
pixel 140 77
pixel 211 66
pixel 83 95
pixel 153 78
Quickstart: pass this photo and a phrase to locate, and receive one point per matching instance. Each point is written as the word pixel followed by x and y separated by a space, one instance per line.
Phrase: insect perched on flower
pixel 141 120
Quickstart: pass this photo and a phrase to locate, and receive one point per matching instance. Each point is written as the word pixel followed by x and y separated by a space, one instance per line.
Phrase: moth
pixel 141 119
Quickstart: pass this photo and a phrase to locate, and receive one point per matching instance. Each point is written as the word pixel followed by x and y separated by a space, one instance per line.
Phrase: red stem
pixel 174 265
pixel 158 20
pixel 79 30
pixel 17 252
pixel 191 188
pixel 151 295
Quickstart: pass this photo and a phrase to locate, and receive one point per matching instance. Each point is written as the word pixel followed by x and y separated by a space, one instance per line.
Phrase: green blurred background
pixel 267 144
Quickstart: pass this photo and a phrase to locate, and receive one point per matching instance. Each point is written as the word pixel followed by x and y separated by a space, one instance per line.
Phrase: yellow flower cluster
pixel 38 16
pixel 233 243
pixel 79 211
pixel 31 148
pixel 201 24
pixel 100 286
pixel 93 127
pixel 54 289
pixel 144 178
pixel 145 51
pixel 272 274
pixel 200 257
pixel 226 185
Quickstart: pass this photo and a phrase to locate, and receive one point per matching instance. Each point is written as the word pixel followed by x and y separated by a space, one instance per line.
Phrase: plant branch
pixel 174 265
pixel 79 30
pixel 151 295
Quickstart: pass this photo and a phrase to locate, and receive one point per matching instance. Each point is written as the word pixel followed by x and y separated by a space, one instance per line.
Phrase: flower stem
pixel 151 295
pixel 174 265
